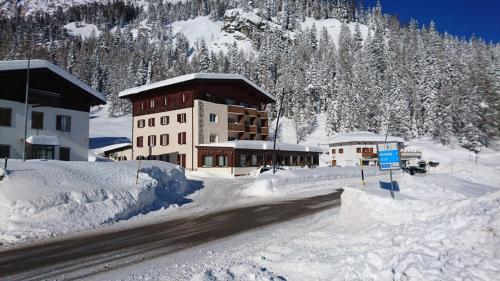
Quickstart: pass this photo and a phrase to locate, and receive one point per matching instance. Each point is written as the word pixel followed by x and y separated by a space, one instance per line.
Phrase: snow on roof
pixel 112 147
pixel 192 76
pixel 362 136
pixel 35 64
pixel 264 145
pixel 43 140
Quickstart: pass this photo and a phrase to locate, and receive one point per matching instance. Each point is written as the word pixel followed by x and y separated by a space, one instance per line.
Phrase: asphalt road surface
pixel 89 255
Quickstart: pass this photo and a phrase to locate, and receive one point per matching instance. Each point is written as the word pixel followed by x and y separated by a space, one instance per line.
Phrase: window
pixel 139 142
pixel 151 122
pixel 341 150
pixel 181 138
pixel 213 118
pixel 152 104
pixel 63 123
pixel 36 151
pixel 366 149
pixel 164 139
pixel 141 123
pixel 358 150
pixel 4 151
pixel 64 153
pixel 140 157
pixel 5 116
pixel 122 158
pixel 181 160
pixel 181 117
pixel 254 160
pixel 152 140
pixel 165 120
pixel 334 151
pixel 183 97
pixel 230 102
pixel 37 120
pixel 231 138
pixel 165 157
pixel 213 138
pixel 165 101
pixel 222 161
pixel 208 161
pixel 243 160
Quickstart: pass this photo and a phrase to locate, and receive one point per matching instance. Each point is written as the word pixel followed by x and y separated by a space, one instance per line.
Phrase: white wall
pixel 350 157
pixel 77 140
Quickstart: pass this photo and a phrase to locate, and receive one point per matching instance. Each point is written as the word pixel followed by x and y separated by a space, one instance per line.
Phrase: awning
pixel 43 140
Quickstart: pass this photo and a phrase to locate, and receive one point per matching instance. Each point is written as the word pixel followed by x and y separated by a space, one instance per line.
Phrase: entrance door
pixel 181 160
pixel 64 153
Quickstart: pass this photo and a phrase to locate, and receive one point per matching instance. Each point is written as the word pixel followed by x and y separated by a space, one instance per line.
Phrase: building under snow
pixel 175 119
pixel 354 148
pixel 58 111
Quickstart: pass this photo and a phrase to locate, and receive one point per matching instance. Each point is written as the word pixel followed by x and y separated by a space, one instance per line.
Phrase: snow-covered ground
pixel 442 226
pixel 39 199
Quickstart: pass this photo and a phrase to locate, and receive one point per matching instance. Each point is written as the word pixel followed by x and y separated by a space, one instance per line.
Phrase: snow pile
pixel 46 198
pixel 300 180
pixel 237 272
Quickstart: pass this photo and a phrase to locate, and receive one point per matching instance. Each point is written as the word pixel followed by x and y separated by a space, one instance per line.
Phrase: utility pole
pixel 276 130
pixel 26 102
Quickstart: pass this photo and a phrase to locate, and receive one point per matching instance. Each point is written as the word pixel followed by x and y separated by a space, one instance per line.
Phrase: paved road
pixel 81 257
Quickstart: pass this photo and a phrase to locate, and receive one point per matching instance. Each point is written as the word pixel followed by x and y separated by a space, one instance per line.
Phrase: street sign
pixel 388 156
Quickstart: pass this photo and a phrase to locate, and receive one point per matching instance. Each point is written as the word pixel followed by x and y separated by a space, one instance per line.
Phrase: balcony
pixel 251 112
pixel 263 130
pixel 369 155
pixel 236 127
pixel 262 114
pixel 234 109
pixel 251 129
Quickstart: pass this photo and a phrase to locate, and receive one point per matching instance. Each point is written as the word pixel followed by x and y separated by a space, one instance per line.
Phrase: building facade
pixel 172 117
pixel 356 148
pixel 58 112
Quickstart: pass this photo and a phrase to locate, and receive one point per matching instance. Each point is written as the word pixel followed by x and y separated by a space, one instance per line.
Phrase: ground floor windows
pixel 4 151
pixel 222 161
pixel 36 151
pixel 208 161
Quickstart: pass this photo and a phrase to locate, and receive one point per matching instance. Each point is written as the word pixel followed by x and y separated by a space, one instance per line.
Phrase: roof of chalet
pixel 117 146
pixel 43 140
pixel 189 77
pixel 263 145
pixel 362 136
pixel 43 64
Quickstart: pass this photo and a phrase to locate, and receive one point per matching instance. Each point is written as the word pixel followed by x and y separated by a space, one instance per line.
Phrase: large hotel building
pixel 182 120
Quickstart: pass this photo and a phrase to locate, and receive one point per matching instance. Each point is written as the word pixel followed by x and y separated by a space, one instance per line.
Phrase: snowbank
pixel 300 180
pixel 46 198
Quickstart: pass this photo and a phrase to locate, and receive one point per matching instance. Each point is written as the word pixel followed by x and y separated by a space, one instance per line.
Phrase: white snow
pixel 43 140
pixel 263 145
pixel 82 29
pixel 333 26
pixel 189 77
pixel 23 64
pixel 45 198
pixel 441 226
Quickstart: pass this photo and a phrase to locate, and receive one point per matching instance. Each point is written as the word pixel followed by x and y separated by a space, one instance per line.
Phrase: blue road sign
pixel 388 186
pixel 388 156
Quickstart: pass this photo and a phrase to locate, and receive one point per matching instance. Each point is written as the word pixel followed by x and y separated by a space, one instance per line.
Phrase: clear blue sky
pixel 457 17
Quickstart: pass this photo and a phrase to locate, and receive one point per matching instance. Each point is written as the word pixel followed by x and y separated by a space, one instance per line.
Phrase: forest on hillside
pixel 407 79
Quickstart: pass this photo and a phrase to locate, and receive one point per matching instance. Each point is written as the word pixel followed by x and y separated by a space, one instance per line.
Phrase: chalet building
pixel 58 112
pixel 358 147
pixel 173 119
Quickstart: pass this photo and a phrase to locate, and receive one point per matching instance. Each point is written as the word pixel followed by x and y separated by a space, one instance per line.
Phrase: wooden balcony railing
pixel 236 127
pixel 236 109
pixel 251 129
pixel 251 112
pixel 263 130
pixel 369 155
pixel 262 114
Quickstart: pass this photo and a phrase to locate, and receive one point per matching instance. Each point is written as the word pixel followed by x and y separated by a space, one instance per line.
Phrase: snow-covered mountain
pixel 350 64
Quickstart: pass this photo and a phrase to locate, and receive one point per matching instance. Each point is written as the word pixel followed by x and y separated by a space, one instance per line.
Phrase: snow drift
pixel 46 198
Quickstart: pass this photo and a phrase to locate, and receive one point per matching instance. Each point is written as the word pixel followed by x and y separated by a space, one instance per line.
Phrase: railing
pixel 251 112
pixel 236 127
pixel 262 114
pixel 369 155
pixel 235 109
pixel 263 130
pixel 251 129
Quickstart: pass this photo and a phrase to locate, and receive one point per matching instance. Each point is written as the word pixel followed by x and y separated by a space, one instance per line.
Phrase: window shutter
pixel 69 123
pixel 139 142
pixel 179 137
pixel 58 122
pixel 167 139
